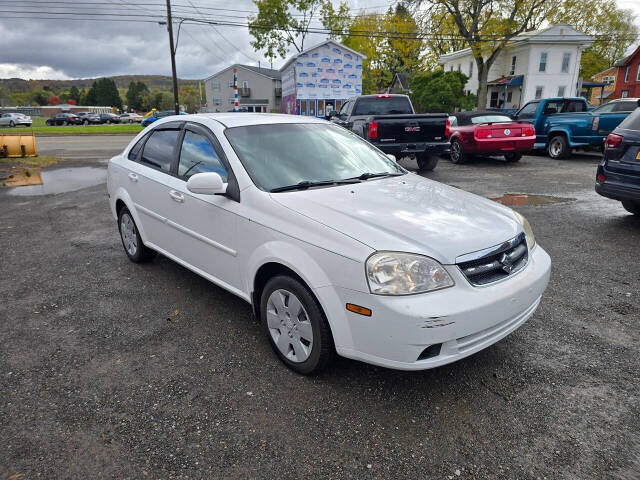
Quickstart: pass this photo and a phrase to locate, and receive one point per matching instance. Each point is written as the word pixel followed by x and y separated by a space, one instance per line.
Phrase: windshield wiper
pixel 368 175
pixel 307 184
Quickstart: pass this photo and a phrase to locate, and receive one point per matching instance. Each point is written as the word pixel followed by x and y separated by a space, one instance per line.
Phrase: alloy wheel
pixel 128 233
pixel 289 325
pixel 455 151
pixel 556 147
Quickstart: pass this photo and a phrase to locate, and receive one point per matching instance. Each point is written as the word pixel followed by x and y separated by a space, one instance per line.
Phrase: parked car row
pixel 14 119
pixel 82 118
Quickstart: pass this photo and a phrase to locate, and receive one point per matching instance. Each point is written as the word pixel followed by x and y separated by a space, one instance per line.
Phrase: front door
pixel 206 224
pixel 149 171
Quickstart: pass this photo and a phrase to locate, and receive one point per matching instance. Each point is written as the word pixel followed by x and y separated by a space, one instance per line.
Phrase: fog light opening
pixel 430 352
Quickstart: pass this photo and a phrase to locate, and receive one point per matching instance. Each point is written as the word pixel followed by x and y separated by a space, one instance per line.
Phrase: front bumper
pixel 462 320
pixel 405 149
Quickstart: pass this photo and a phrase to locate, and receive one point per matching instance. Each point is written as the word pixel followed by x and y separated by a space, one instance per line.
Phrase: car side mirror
pixel 391 157
pixel 207 183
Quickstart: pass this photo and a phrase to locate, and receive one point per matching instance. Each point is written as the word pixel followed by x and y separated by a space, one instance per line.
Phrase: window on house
pixel 230 83
pixel 539 90
pixel 493 103
pixel 451 67
pixel 561 90
pixel 513 65
pixel 216 101
pixel 216 86
pixel 543 62
pixel 245 84
pixel 459 67
pixel 638 74
pixel 471 69
pixel 625 93
pixel 509 97
pixel 566 58
pixel 232 101
pixel 626 75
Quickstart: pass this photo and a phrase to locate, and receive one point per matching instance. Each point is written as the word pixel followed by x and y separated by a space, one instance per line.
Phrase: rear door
pixel 149 175
pixel 205 225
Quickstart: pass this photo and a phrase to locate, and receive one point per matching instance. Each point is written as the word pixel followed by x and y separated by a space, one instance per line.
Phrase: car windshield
pixel 490 119
pixel 279 155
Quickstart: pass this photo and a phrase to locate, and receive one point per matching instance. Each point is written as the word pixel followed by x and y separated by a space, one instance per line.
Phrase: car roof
pixel 241 119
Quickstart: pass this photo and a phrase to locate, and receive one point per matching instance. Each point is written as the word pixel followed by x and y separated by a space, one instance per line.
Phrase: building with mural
pixel 321 79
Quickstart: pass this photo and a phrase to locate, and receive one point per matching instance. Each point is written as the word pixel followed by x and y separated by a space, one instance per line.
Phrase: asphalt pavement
pixel 116 370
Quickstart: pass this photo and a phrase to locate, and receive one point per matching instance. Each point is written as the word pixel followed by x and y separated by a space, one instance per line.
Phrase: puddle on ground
pixel 518 199
pixel 63 180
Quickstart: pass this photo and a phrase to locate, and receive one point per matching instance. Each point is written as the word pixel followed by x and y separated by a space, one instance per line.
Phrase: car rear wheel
pixel 85 122
pixel 131 241
pixel 512 157
pixel 457 154
pixel 558 148
pixel 427 163
pixel 631 206
pixel 296 326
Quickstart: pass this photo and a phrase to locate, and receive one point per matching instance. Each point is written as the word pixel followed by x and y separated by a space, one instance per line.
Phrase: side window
pixel 529 110
pixel 343 110
pixel 134 153
pixel 553 107
pixel 158 151
pixel 624 106
pixel 575 106
pixel 608 108
pixel 197 156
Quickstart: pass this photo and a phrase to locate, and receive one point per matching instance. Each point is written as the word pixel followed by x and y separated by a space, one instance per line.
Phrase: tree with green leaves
pixel 90 97
pixel 280 24
pixel 106 93
pixel 440 91
pixel 135 95
pixel 386 54
pixel 74 94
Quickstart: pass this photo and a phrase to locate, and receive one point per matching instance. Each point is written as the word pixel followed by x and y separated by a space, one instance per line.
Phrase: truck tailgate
pixel 411 128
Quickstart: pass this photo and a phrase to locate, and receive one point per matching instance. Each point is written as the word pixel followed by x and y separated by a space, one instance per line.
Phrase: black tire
pixel 558 148
pixel 322 347
pixel 457 154
pixel 65 123
pixel 48 123
pixel 426 163
pixel 512 157
pixel 108 122
pixel 85 122
pixel 12 124
pixel 142 253
pixel 631 206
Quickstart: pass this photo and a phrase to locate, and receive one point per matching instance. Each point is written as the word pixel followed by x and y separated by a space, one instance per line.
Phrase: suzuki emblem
pixel 507 132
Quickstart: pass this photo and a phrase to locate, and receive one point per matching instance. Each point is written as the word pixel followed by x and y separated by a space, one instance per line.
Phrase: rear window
pixel 490 119
pixel 632 122
pixel 158 151
pixel 383 106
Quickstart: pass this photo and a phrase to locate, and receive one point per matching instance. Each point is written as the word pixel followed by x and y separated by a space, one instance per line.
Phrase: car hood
pixel 408 213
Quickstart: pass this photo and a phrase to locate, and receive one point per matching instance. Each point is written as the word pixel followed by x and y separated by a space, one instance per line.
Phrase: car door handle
pixel 133 177
pixel 177 196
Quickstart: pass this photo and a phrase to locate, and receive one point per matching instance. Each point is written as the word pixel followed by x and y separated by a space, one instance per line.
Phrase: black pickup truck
pixel 390 123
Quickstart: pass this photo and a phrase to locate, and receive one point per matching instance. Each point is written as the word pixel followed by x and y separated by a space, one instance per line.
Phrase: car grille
pixel 496 264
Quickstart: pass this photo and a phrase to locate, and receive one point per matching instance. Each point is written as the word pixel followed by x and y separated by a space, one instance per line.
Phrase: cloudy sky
pixel 125 38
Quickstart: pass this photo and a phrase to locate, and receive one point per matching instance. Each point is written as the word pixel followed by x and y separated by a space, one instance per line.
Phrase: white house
pixel 321 78
pixel 537 64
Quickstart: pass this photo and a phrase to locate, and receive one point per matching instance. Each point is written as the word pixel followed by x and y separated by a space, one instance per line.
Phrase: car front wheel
pixel 427 163
pixel 558 148
pixel 296 326
pixel 131 241
pixel 11 124
pixel 631 206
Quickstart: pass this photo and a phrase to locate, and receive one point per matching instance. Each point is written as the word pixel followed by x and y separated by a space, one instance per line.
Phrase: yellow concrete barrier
pixel 18 145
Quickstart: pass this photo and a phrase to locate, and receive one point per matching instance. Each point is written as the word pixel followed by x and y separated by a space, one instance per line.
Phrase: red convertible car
pixel 485 133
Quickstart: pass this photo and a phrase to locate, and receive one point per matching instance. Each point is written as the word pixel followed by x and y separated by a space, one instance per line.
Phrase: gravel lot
pixel 115 370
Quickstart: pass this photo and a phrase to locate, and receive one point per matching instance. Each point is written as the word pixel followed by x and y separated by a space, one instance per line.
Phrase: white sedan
pixel 337 247
pixel 14 119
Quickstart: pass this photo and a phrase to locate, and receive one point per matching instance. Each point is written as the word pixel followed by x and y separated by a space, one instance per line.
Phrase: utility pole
pixel 173 59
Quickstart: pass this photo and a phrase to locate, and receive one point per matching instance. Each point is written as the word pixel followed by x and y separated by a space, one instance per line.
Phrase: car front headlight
pixel 397 273
pixel 528 231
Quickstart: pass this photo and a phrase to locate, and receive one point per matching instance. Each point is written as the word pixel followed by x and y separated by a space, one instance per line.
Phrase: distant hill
pixel 160 82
